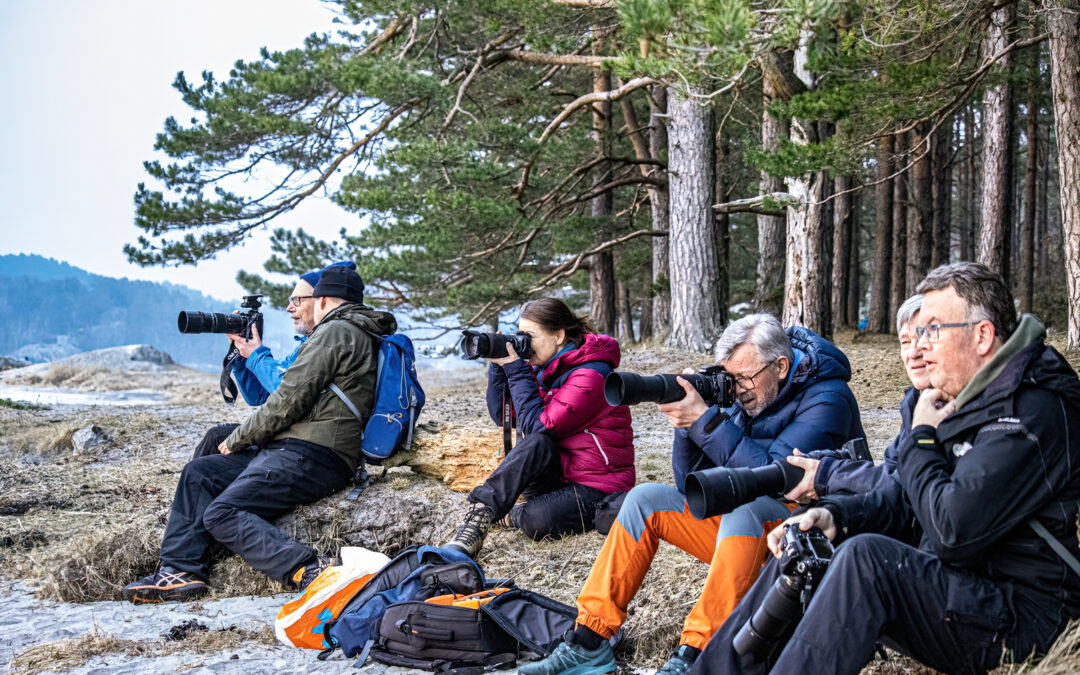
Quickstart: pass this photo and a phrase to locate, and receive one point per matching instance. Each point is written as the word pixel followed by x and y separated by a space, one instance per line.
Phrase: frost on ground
pixel 76 526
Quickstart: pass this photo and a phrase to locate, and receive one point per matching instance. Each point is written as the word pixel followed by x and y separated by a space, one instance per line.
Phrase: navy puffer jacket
pixel 813 410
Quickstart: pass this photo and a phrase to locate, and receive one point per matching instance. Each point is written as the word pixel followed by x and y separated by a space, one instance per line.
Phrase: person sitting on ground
pixel 830 475
pixel 306 446
pixel 575 450
pixel 792 392
pixel 967 558
pixel 256 372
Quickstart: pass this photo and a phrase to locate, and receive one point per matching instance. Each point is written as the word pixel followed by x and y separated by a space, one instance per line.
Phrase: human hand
pixel 245 346
pixel 816 517
pixel 224 449
pixel 804 492
pixel 687 410
pixel 934 406
pixel 511 354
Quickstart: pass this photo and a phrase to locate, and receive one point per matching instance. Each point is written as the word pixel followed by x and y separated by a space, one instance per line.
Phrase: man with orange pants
pixel 792 393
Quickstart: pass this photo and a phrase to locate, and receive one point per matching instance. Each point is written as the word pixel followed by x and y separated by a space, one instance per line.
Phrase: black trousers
pixel 232 499
pixel 553 507
pixel 878 588
pixel 213 438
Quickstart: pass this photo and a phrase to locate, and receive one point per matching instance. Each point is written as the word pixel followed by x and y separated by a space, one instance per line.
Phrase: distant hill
pixel 52 309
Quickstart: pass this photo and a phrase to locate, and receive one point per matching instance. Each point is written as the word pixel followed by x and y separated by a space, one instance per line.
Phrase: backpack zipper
pixel 599 447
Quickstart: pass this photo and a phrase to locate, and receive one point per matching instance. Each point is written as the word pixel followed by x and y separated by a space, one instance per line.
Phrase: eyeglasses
pixel 932 333
pixel 295 300
pixel 747 381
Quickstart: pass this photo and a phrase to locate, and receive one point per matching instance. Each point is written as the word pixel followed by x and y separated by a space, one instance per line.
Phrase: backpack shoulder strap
pixel 1062 552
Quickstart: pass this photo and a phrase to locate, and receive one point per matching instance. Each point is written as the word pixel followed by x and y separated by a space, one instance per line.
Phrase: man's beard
pixel 762 400
pixel 301 327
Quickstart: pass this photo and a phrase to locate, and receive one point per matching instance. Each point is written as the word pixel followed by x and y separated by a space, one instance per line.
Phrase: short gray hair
pixel 907 310
pixel 983 289
pixel 763 331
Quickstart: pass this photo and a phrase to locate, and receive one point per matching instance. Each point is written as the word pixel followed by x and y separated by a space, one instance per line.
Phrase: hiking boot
pixel 680 662
pixel 571 659
pixel 469 538
pixel 303 576
pixel 165 584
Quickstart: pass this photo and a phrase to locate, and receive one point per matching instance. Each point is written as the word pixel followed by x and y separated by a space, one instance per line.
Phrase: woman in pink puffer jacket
pixel 575 449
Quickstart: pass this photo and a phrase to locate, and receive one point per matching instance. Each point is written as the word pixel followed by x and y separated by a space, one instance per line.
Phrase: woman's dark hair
pixel 552 315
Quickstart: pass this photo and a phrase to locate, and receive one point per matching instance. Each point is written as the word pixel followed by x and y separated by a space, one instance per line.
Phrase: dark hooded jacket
pixel 339 350
pixel 838 476
pixel 814 409
pixel 966 492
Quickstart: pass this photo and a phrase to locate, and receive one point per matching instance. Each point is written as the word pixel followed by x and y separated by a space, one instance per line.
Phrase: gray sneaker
pixel 570 659
pixel 679 663
pixel 469 538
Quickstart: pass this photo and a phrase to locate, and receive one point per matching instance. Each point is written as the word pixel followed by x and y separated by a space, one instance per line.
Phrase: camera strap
pixel 508 421
pixel 228 387
pixel 1063 553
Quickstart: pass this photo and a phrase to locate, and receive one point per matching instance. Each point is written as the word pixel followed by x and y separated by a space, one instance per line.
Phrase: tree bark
pixel 602 265
pixel 626 315
pixel 942 189
pixel 1063 23
pixel 692 242
pixel 1026 284
pixel 920 218
pixel 854 271
pixel 841 244
pixel 768 293
pixel 881 282
pixel 899 248
pixel 998 154
pixel 658 204
pixel 723 233
pixel 971 224
pixel 1042 206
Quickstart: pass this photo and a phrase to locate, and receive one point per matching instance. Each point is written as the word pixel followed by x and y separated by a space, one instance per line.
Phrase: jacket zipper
pixel 599 447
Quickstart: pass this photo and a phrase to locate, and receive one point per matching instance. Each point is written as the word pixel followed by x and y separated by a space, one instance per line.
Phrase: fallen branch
pixel 757 205
pixel 572 265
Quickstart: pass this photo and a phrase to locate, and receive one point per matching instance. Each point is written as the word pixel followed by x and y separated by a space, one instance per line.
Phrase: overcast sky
pixel 87 86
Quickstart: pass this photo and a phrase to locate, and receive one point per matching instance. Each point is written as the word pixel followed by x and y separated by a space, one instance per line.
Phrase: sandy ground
pixel 77 527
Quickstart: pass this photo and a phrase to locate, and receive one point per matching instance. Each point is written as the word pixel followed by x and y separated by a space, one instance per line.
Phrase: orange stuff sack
pixel 301 622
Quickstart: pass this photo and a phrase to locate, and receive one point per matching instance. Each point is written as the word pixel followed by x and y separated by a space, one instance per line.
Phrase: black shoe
pixel 303 576
pixel 165 584
pixel 469 538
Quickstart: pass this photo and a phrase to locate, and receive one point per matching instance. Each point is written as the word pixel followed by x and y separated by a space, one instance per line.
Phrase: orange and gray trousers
pixel 734 545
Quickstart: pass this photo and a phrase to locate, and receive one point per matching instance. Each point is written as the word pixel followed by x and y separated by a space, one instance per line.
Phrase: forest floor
pixel 76 526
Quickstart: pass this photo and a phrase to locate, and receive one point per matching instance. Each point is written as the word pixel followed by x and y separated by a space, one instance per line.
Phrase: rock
pixel 460 455
pixel 7 363
pixel 88 438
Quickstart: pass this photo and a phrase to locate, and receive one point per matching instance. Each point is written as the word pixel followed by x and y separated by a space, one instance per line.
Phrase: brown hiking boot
pixel 469 538
pixel 165 584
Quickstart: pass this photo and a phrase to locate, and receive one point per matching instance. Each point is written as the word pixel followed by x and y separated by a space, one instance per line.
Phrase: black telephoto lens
pixel 720 490
pixel 765 629
pixel 211 322
pixel 631 388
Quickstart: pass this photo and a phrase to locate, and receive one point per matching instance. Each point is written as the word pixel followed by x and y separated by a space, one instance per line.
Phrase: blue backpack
pixel 398 399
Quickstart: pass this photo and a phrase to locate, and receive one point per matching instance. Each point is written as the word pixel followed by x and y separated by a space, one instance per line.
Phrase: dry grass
pixel 74 652
pixel 97 567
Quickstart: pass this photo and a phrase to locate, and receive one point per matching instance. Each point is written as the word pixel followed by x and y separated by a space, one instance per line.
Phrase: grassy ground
pixel 79 527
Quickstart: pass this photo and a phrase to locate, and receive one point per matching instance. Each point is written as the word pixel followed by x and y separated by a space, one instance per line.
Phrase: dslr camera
pixel 720 490
pixel 805 558
pixel 477 345
pixel 239 323
pixel 716 386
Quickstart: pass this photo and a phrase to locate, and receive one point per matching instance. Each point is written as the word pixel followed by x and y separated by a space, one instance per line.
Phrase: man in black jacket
pixel 961 568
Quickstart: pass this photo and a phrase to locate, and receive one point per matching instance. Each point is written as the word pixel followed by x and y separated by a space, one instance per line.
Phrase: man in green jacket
pixel 308 446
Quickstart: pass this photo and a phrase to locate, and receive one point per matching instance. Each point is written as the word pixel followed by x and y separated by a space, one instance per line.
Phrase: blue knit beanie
pixel 314 276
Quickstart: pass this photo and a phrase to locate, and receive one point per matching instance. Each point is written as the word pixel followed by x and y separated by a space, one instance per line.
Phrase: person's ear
pixel 985 333
pixel 782 367
pixel 560 337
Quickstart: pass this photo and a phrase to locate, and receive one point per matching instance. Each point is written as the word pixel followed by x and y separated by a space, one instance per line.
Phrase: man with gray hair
pixel 792 392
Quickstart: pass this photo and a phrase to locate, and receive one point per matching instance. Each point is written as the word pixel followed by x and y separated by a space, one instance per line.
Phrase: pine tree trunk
pixel 971 224
pixel 1042 205
pixel 1027 231
pixel 723 234
pixel 645 326
pixel 602 265
pixel 881 282
pixel 626 315
pixel 692 245
pixel 899 246
pixel 1063 23
pixel 854 271
pixel 841 245
pixel 942 188
pixel 920 217
pixel 768 293
pixel 658 198
pixel 997 186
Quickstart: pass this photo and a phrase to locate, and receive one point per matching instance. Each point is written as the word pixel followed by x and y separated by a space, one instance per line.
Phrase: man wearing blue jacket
pixel 257 372
pixel 792 393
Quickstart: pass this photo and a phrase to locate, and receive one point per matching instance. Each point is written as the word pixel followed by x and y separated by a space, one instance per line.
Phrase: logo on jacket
pixel 961 449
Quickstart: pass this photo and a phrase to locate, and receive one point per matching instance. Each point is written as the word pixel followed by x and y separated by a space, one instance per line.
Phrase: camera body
pixel 216 322
pixel 477 345
pixel 803 563
pixel 716 386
